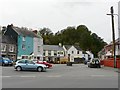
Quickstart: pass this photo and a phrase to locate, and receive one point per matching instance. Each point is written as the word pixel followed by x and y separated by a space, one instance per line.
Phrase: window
pixel 23 38
pixel 38 48
pixel 55 53
pixel 23 46
pixel 11 48
pixel 118 47
pixel 77 52
pixel 72 52
pixel 49 53
pixel 22 61
pixel 60 52
pixel 44 52
pixel 4 47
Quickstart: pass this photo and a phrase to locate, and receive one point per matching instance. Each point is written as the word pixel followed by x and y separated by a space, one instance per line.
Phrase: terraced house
pixel 53 52
pixel 29 44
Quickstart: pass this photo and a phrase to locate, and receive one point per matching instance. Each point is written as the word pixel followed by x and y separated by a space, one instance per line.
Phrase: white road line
pixel 27 76
pixel 54 76
pixel 6 76
pixel 98 75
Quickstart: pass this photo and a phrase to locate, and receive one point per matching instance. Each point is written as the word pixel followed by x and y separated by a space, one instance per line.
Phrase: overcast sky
pixel 59 14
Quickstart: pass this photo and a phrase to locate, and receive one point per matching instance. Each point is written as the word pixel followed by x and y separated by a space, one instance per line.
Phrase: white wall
pixel 74 55
pixel 38 42
pixel 91 55
pixel 119 19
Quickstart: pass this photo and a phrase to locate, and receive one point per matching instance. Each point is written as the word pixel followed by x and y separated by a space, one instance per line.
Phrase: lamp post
pixel 113 35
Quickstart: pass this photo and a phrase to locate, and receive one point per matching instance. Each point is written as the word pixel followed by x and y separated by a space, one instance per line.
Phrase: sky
pixel 59 14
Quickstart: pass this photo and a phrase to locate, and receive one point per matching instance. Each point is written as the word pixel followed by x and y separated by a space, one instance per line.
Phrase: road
pixel 60 76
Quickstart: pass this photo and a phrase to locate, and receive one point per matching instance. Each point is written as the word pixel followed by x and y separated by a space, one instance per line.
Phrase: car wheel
pixel 18 68
pixel 39 69
pixel 99 66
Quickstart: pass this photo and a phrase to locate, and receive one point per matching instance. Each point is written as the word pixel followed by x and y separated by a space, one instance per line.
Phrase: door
pixel 30 65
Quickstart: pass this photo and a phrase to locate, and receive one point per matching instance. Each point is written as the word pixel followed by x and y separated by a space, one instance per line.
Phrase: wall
pixel 38 42
pixel 28 46
pixel 110 62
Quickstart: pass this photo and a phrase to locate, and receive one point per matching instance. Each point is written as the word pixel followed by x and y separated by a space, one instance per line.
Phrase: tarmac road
pixel 60 76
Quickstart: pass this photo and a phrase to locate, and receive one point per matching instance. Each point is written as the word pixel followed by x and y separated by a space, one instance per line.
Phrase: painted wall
pixel 38 47
pixel 119 24
pixel 119 18
pixel 28 46
pixel 80 55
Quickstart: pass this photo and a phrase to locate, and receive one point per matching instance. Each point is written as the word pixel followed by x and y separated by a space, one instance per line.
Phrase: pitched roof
pixel 78 48
pixel 7 39
pixel 67 46
pixel 24 32
pixel 52 47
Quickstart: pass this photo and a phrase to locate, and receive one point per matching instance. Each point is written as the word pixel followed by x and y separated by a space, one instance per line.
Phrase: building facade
pixel 26 41
pixel 75 53
pixel 53 52
pixel 8 47
pixel 119 24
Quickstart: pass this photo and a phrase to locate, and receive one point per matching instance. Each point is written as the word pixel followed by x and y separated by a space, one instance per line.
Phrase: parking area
pixel 60 76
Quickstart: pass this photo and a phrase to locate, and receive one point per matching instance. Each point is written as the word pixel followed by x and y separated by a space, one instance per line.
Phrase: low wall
pixel 110 62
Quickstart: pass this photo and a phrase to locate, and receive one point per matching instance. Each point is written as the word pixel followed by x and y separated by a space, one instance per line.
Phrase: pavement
pixel 61 76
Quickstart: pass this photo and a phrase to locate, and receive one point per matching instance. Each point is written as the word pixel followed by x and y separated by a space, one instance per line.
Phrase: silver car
pixel 25 64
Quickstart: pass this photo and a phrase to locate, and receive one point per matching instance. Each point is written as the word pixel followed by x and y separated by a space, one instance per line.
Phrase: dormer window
pixel 23 39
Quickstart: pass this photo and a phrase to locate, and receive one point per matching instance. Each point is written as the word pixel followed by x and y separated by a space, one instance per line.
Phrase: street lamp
pixel 113 34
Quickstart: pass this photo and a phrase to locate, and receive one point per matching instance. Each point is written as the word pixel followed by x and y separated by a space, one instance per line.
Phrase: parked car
pixel 46 63
pixel 4 61
pixel 25 64
pixel 94 63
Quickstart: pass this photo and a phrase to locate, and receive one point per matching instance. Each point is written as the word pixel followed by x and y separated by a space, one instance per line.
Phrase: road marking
pixel 27 76
pixel 54 76
pixel 98 75
pixel 6 76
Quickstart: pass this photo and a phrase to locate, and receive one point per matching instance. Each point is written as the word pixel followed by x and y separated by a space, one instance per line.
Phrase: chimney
pixel 60 44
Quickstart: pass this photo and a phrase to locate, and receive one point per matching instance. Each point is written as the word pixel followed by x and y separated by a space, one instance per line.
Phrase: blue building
pixel 24 39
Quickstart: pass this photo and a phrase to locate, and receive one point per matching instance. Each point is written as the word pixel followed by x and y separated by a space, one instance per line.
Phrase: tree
pixel 80 36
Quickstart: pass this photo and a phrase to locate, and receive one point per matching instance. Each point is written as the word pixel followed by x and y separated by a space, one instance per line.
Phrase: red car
pixel 45 63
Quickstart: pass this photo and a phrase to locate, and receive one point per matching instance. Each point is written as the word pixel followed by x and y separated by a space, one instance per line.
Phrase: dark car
pixel 4 61
pixel 94 63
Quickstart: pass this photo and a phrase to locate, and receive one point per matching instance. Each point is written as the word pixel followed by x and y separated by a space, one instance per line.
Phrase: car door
pixel 30 65
pixel 22 64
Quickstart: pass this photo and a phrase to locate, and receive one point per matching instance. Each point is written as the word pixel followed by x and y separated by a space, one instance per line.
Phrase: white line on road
pixel 27 76
pixel 6 76
pixel 98 75
pixel 54 76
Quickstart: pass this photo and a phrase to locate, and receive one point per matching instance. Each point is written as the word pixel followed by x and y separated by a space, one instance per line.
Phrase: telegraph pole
pixel 113 35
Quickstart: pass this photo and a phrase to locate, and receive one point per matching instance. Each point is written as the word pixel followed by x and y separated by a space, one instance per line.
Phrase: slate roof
pixel 7 39
pixel 67 46
pixel 78 48
pixel 24 32
pixel 53 47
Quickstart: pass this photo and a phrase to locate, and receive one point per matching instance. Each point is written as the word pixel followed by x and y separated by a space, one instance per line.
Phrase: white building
pixel 53 52
pixel 75 53
pixel 119 26
pixel 37 47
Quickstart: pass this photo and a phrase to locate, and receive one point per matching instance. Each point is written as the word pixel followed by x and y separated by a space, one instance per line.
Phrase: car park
pixel 4 61
pixel 94 63
pixel 25 64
